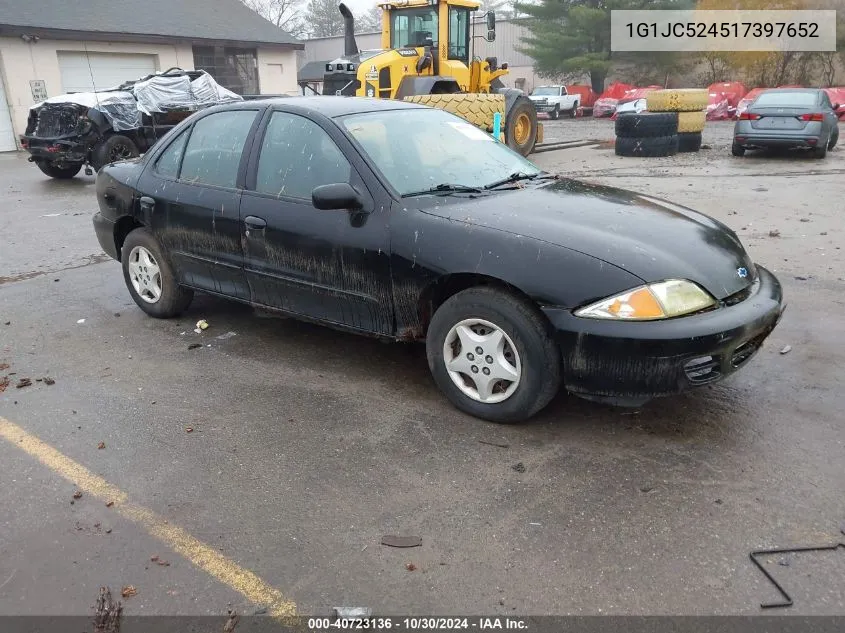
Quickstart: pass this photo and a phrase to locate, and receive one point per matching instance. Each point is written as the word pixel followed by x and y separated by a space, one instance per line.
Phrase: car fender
pixel 428 250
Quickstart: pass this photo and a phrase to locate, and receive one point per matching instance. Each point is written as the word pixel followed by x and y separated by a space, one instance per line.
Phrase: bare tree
pixel 285 14
pixel 323 18
pixel 370 22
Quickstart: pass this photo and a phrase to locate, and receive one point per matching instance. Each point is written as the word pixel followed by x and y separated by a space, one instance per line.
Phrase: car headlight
pixel 662 300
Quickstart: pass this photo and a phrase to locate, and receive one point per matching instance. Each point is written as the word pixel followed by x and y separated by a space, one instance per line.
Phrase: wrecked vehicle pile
pixel 68 131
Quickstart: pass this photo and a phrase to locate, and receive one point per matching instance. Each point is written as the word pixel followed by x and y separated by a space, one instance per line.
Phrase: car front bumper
pixel 633 362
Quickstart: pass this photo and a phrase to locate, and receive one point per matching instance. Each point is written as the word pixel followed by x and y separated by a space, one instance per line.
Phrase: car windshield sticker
pixel 470 131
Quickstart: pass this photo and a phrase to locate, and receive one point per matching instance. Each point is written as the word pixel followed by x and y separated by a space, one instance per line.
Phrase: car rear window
pixel 786 99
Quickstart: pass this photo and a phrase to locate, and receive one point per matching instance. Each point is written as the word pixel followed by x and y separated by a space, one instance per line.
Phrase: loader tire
pixel 646 124
pixel 649 147
pixel 690 122
pixel 521 126
pixel 689 142
pixel 476 108
pixel 685 100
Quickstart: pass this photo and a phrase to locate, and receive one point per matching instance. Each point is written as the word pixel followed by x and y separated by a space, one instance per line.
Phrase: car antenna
pixel 88 170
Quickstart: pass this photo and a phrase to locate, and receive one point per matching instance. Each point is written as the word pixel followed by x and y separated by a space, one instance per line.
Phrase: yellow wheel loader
pixel 426 57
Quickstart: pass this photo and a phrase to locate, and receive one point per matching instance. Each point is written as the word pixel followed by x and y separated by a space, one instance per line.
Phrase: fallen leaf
pixel 189 429
pixel 786 349
pixel 49 381
pixel 4 366
pixel 101 445
pixel 194 346
pixel 128 590
pixel 24 382
pixel 109 504
pixel 410 566
pixel 4 382
pixel 77 494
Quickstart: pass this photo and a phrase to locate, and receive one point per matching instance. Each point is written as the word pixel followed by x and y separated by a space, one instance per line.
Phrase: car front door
pixel 328 265
pixel 190 199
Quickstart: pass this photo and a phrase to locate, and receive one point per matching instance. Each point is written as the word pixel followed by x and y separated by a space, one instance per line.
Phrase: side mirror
pixel 491 20
pixel 836 106
pixel 491 36
pixel 336 196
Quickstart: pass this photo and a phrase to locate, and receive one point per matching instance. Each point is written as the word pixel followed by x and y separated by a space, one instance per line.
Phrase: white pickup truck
pixel 554 100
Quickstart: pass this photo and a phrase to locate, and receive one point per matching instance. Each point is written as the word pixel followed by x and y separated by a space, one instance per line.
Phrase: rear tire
pixel 574 111
pixel 159 276
pixel 650 147
pixel 526 350
pixel 689 142
pixel 834 139
pixel 62 173
pixel 521 126
pixel 821 150
pixel 737 149
pixel 646 124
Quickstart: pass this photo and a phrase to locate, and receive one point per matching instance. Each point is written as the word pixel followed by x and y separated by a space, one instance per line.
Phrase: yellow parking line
pixel 206 558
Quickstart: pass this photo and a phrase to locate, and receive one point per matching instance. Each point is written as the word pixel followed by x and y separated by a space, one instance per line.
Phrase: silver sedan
pixel 788 118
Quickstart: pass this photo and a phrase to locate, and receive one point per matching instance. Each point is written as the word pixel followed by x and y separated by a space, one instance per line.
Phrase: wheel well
pixel 445 87
pixel 438 292
pixel 123 227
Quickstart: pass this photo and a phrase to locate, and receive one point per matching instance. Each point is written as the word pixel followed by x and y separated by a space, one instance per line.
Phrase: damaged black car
pixel 91 129
pixel 407 223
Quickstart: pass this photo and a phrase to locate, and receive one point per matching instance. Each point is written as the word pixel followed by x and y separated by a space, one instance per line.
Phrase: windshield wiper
pixel 445 187
pixel 519 176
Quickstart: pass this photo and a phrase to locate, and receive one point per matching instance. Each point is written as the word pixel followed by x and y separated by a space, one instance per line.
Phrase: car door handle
pixel 253 222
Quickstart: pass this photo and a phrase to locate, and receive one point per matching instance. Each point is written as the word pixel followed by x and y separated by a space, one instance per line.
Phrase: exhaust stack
pixel 350 47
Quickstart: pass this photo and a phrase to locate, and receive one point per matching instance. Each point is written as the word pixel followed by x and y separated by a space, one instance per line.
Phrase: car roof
pixel 790 90
pixel 328 105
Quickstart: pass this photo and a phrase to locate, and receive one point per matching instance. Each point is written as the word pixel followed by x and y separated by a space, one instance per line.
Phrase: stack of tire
pixel 690 105
pixel 647 134
pixel 672 123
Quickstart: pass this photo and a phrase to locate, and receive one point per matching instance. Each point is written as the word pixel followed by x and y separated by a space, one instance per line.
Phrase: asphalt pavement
pixel 265 466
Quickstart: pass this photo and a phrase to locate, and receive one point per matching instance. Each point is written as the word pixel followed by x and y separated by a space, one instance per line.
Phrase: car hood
pixel 651 238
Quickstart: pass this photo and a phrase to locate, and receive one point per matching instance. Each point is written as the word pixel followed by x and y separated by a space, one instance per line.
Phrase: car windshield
pixel 546 90
pixel 786 99
pixel 417 150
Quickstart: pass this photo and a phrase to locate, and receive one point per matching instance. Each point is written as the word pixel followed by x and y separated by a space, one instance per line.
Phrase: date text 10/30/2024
pixel 416 624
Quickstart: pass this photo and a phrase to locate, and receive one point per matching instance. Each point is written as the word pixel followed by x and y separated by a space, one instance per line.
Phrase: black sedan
pixel 406 222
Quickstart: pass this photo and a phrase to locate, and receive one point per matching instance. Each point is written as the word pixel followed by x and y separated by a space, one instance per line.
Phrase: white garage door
pixel 7 134
pixel 83 72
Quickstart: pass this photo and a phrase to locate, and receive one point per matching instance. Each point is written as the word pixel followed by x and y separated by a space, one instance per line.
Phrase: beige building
pixel 51 47
pixel 504 48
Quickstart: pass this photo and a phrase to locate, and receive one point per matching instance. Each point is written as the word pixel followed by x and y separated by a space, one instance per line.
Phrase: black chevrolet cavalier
pixel 408 223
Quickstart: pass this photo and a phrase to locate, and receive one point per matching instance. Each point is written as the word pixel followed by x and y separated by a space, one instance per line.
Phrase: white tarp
pixel 123 108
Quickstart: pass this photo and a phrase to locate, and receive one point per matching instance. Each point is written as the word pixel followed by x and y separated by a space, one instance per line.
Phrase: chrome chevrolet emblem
pixel 742 272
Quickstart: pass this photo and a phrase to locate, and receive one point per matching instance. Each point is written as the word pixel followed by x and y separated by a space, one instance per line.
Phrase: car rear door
pixel 328 265
pixel 190 198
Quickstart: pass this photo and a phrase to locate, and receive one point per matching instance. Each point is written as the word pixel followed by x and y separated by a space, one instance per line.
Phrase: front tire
pixel 150 278
pixel 555 114
pixel 517 372
pixel 834 139
pixel 116 147
pixel 62 173
pixel 521 126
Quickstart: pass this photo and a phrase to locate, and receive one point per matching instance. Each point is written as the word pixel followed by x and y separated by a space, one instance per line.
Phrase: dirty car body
pixel 788 118
pixel 405 222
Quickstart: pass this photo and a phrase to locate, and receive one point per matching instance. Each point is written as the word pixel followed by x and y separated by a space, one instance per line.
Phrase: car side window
pixel 167 164
pixel 296 156
pixel 213 152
